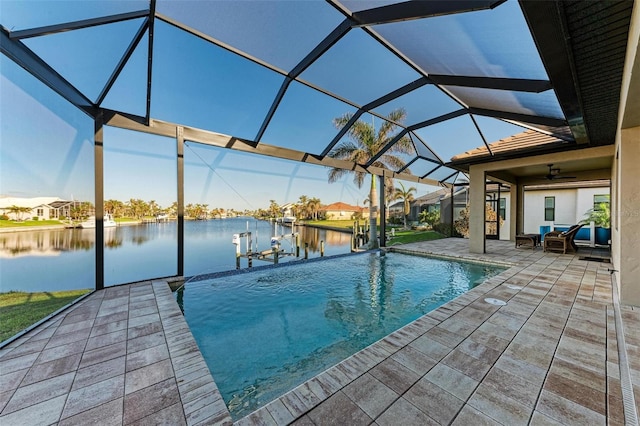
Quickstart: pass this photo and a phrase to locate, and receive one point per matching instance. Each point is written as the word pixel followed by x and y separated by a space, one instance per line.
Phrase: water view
pixel 64 259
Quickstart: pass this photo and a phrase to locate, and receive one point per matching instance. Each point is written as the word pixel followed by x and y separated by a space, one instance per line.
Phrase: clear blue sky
pixel 46 145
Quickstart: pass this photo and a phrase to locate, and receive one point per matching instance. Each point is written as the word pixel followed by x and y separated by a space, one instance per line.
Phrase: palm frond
pixel 344 151
pixel 388 126
pixel 336 174
pixel 403 145
pixel 362 134
pixel 392 162
pixel 341 121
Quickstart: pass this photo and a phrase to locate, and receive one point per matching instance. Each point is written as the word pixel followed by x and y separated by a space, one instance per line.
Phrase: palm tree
pixel 154 208
pixel 363 144
pixel 406 195
pixel 19 212
pixel 314 205
pixel 173 209
pixel 303 206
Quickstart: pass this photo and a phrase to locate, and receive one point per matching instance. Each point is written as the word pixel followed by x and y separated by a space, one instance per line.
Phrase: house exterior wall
pixel 505 228
pixel 344 214
pixel 571 206
pixel 625 229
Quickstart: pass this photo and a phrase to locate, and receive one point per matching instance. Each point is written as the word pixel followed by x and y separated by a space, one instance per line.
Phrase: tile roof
pixel 432 197
pixel 528 140
pixel 340 206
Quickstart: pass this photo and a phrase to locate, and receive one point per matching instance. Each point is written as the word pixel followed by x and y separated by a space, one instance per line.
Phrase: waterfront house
pixel 344 211
pixel 44 208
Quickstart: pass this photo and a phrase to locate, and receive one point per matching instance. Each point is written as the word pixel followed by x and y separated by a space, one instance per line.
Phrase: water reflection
pixel 53 242
pixel 40 260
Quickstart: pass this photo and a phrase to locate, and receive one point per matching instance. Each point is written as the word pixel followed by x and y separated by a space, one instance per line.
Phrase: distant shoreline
pixel 62 226
pixel 50 227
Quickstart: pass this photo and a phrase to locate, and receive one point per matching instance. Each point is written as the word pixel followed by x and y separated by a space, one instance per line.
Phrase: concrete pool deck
pixel 554 354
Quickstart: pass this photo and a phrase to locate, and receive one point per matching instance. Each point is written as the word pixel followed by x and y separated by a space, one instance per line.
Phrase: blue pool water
pixel 265 332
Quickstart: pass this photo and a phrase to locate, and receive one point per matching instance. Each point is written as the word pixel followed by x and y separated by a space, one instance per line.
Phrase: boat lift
pixel 275 252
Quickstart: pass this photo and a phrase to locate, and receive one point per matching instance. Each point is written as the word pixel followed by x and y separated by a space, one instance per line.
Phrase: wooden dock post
pixel 297 245
pixel 306 250
pixel 275 255
pixel 321 248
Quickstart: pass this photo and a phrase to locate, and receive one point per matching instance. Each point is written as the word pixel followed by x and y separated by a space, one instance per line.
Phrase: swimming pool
pixel 265 332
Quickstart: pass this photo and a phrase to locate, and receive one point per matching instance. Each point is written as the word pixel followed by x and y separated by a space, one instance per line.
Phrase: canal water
pixel 64 259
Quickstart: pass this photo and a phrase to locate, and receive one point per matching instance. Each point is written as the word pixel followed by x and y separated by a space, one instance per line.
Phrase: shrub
pixel 395 221
pixel 4 217
pixel 430 218
pixel 445 229
pixel 600 216
pixel 35 218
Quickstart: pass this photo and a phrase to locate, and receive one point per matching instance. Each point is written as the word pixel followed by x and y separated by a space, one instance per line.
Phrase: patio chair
pixel 562 241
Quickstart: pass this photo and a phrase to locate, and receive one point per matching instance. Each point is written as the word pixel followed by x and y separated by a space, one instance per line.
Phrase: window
pixel 549 208
pixel 599 199
pixel 503 208
pixel 40 212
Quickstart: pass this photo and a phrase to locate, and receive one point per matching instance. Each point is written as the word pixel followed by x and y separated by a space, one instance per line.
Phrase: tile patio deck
pixel 125 355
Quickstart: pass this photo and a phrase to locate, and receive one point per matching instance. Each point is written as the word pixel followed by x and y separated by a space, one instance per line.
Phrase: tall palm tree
pixel 314 205
pixel 274 209
pixel 406 195
pixel 363 144
pixel 303 206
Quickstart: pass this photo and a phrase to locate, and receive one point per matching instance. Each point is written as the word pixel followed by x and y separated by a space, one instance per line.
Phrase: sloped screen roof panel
pixel 200 84
pixel 451 137
pixel 421 104
pixel 279 33
pixel 359 69
pixel 76 56
pixel 542 104
pixel 20 15
pixel 488 43
pixel 304 119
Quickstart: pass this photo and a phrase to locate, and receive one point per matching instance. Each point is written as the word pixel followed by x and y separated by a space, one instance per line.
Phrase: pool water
pixel 265 332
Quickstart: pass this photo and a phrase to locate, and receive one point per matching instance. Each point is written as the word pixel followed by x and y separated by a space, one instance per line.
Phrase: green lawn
pixel 401 236
pixel 19 310
pixel 17 224
pixel 345 224
pixel 126 219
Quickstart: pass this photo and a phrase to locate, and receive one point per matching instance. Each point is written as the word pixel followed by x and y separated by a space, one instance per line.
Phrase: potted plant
pixel 601 217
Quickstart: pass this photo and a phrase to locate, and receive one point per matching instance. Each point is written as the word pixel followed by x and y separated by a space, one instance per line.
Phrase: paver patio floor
pixel 124 355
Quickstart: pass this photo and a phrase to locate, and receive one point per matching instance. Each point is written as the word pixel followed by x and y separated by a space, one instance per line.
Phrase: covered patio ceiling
pixel 270 76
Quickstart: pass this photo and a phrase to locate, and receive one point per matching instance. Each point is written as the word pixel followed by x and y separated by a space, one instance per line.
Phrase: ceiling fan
pixel 554 174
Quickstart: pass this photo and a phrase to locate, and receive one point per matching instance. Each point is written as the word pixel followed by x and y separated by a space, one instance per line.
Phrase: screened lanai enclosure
pixel 157 82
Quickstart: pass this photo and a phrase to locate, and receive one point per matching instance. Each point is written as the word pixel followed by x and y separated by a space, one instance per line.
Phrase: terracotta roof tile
pixel 340 206
pixel 526 140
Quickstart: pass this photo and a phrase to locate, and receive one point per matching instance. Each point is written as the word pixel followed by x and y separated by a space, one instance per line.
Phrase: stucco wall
pixel 625 235
pixel 571 206
pixel 625 248
pixel 505 229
